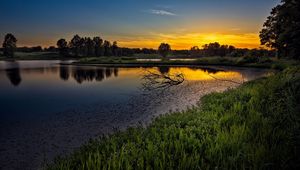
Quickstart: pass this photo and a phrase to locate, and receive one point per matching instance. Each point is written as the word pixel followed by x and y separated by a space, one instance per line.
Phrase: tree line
pixel 96 47
pixel 86 46
pixel 222 50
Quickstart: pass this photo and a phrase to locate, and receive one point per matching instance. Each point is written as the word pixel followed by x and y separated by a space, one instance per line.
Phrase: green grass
pixel 34 56
pixel 255 126
pixel 217 60
pixel 224 61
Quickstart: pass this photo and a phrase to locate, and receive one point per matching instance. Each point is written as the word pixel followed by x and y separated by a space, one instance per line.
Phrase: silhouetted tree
pixel 222 50
pixel 98 42
pixel 148 51
pixel 195 51
pixel 114 49
pixel 75 45
pixel 90 46
pixel 63 47
pixel 50 49
pixel 107 48
pixel 231 49
pixel 216 49
pixel 164 49
pixel 83 48
pixel 212 49
pixel 37 49
pixel 9 45
pixel 281 29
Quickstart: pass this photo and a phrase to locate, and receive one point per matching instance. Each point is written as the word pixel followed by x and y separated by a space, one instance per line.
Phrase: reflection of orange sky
pixel 177 41
pixel 189 74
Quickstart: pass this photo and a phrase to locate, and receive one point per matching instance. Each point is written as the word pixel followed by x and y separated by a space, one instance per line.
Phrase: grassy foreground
pixel 255 126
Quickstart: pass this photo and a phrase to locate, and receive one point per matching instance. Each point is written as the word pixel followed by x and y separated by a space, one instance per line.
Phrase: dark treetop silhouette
pixel 164 49
pixel 9 45
pixel 281 31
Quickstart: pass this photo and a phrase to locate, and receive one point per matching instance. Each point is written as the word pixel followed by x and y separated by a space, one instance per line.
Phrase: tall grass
pixel 255 126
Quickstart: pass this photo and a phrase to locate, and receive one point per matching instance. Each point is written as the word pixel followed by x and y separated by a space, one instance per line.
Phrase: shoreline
pixel 211 135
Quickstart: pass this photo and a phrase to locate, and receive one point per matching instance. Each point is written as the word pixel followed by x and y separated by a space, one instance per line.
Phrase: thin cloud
pixel 161 12
pixel 235 29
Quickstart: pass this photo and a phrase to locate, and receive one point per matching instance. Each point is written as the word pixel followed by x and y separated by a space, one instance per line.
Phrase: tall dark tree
pixel 107 48
pixel 9 45
pixel 114 49
pixel 164 49
pixel 212 49
pixel 90 47
pixel 223 50
pixel 98 42
pixel 195 51
pixel 63 47
pixel 83 48
pixel 281 31
pixel 75 45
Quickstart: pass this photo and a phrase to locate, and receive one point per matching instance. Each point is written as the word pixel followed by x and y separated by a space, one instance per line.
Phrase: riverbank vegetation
pixel 255 126
pixel 262 62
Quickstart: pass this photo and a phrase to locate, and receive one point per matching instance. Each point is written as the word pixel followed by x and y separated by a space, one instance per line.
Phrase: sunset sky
pixel 136 23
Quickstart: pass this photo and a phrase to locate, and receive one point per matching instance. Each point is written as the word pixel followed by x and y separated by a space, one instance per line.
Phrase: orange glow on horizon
pixel 186 41
pixel 177 41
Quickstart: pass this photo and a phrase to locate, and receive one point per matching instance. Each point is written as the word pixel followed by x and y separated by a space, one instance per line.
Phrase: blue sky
pixel 133 22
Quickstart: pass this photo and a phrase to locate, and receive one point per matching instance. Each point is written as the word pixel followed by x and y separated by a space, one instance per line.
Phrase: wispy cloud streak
pixel 161 12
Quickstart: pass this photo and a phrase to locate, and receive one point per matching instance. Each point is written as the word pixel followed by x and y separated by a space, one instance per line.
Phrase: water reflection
pixel 164 69
pixel 64 73
pixel 14 76
pixel 50 71
pixel 81 74
pixel 13 73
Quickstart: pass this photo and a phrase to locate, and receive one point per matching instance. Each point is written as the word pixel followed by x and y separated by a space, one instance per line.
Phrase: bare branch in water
pixel 226 80
pixel 158 81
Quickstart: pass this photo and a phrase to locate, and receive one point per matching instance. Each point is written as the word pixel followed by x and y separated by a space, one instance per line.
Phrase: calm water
pixel 49 108
pixel 30 89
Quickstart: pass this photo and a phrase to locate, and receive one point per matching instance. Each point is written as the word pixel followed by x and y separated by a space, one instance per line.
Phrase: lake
pixel 49 108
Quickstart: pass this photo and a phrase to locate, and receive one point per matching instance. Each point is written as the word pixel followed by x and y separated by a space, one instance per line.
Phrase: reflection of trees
pixel 207 69
pixel 64 73
pixel 81 74
pixel 116 71
pixel 108 72
pixel 14 76
pixel 164 69
pixel 100 74
pixel 13 73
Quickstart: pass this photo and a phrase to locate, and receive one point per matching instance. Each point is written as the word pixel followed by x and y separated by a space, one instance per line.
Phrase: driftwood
pixel 163 80
pixel 159 81
pixel 231 81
